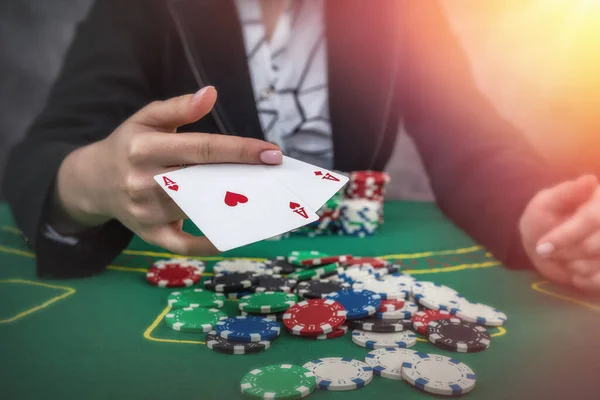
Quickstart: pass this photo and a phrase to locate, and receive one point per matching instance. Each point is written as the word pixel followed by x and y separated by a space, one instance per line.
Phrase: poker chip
pixel 220 345
pixel 386 289
pixel 480 314
pixel 391 305
pixel 318 288
pixel 336 333
pixel 196 298
pixel 422 318
pixel 357 302
pixel 379 340
pixel 354 274
pixel 369 177
pixel 336 373
pixel 239 265
pixel 366 261
pixel 274 316
pixel 297 257
pixel 387 362
pixel 247 329
pixel 323 260
pixel 437 374
pixel 457 335
pixel 437 297
pixel 174 275
pixel 279 265
pixel 379 325
pixel 267 302
pixel 194 319
pixel 185 262
pixel 316 273
pixel 274 283
pixel 231 282
pixel 282 381
pixel 314 317
pixel 408 309
pixel 400 278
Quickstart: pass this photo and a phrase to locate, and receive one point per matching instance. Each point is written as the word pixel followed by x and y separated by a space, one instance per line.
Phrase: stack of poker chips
pixel 368 185
pixel 327 222
pixel 359 217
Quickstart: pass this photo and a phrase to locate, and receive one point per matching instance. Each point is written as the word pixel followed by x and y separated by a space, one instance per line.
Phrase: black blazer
pixel 397 60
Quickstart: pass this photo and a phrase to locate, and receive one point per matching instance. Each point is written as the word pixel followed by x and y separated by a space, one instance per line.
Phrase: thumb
pixel 566 197
pixel 168 115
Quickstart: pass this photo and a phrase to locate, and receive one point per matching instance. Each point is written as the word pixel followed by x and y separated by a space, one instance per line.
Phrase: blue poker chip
pixel 358 303
pixel 248 329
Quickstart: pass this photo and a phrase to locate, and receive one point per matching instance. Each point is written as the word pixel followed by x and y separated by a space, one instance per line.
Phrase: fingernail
pixel 271 157
pixel 545 249
pixel 199 94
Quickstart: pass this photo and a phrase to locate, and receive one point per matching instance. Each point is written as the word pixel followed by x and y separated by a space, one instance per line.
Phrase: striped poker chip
pixel 358 303
pixel 326 260
pixel 193 319
pixel 422 318
pixel 379 325
pixel 314 317
pixel 378 340
pixel 458 335
pixel 337 373
pixel 220 345
pixel 406 312
pixel 231 282
pixel 480 314
pixel 174 275
pixel 387 362
pixel 274 283
pixel 437 297
pixel 248 329
pixel 388 290
pixel 437 374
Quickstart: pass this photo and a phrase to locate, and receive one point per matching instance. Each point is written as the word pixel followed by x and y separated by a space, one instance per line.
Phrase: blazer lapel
pixel 363 52
pixel 213 42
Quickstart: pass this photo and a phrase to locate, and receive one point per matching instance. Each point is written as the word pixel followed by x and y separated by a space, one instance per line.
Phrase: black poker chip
pixel 221 345
pixel 458 335
pixel 232 282
pixel 274 283
pixel 278 316
pixel 379 325
pixel 319 288
pixel 279 265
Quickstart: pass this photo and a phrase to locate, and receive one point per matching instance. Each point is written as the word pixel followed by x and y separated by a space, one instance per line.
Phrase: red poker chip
pixel 173 275
pixel 314 317
pixel 422 318
pixel 327 260
pixel 370 177
pixel 391 305
pixel 336 333
pixel 371 261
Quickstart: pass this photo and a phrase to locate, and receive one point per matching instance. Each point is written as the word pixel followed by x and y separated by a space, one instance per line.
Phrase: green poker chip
pixel 296 257
pixel 314 273
pixel 280 381
pixel 196 297
pixel 267 302
pixel 194 319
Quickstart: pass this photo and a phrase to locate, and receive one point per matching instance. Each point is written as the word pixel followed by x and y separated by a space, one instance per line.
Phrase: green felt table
pixel 104 337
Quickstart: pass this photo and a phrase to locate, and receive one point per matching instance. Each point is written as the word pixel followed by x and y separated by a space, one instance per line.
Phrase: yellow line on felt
pixel 150 329
pixel 10 250
pixel 433 253
pixel 537 287
pixel 11 229
pixel 487 264
pixel 68 291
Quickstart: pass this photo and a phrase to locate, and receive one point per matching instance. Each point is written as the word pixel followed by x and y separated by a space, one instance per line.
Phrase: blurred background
pixel 537 60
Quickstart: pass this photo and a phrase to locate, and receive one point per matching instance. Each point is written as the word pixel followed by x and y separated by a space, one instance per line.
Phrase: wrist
pixel 75 203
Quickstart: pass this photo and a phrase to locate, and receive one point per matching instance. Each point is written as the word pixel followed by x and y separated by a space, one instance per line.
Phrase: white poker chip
pixel 437 297
pixel 239 265
pixel 481 314
pixel 388 362
pixel 355 273
pixel 407 311
pixel 400 278
pixel 379 340
pixel 438 374
pixel 388 290
pixel 336 373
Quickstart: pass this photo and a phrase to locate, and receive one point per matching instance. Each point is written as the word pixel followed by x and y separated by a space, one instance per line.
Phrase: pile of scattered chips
pixel 319 296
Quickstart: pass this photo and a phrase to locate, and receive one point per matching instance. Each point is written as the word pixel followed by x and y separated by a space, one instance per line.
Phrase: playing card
pixel 235 204
pixel 312 184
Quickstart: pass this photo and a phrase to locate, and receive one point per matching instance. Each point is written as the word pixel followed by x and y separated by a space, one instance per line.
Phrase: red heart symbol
pixel 233 199
pixel 173 187
pixel 293 205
